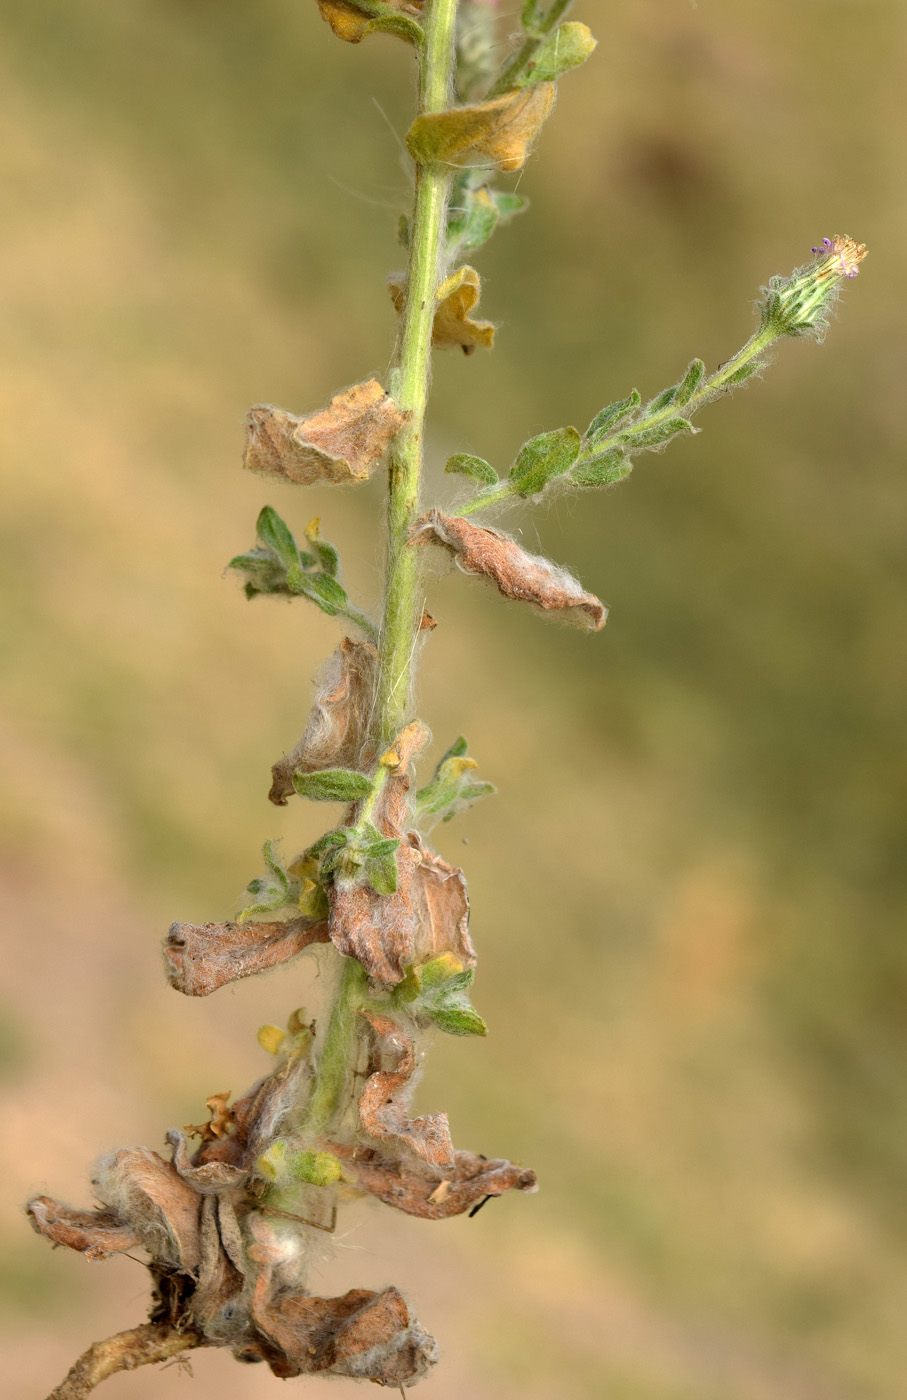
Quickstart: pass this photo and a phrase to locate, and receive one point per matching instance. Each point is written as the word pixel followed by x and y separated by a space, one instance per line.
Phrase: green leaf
pixel 745 372
pixel 438 992
pixel 381 871
pixel 458 1019
pixel 264 574
pixel 543 458
pixel 567 47
pixel 276 536
pixel 602 471
pixel 655 436
pixel 472 218
pixel 274 890
pixel 662 400
pixel 317 1168
pixel 332 785
pixel 509 205
pixel 690 383
pixel 323 590
pixel 325 553
pixel 612 415
pixel 452 788
pixel 476 467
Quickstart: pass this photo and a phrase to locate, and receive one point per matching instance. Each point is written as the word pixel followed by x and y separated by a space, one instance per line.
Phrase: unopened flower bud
pixel 798 305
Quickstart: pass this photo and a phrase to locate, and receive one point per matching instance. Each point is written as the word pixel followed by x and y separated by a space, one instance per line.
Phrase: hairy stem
pixel 409 385
pixel 754 347
pixel 141 1346
pixel 537 32
pixel 337 1054
pixel 402 601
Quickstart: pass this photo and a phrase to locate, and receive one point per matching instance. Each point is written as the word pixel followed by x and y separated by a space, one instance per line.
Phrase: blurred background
pixel 689 895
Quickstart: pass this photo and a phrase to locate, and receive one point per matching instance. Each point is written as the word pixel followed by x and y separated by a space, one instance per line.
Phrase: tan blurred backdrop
pixel 689 895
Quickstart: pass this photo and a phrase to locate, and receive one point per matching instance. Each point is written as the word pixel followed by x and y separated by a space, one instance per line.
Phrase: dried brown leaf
pixel 426 916
pixel 148 1194
pixel 208 1175
pixel 342 443
pixel 199 958
pixel 384 1101
pixel 363 1334
pixel 497 132
pixel 457 298
pixel 337 729
pixel 516 573
pixel 95 1233
pixel 219 1122
pixel 407 1187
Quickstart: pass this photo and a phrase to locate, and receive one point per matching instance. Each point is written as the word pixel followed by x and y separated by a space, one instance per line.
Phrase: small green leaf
pixel 381 871
pixel 317 1168
pixel 325 591
pixel 325 553
pixel 745 372
pixel 472 218
pixel 467 465
pixel 662 400
pixel 457 1019
pixel 655 436
pixel 612 416
pixel 452 788
pixel 509 205
pixel 602 471
pixel 543 458
pixel 274 890
pixel 276 536
pixel 690 383
pixel 264 574
pixel 567 47
pixel 332 785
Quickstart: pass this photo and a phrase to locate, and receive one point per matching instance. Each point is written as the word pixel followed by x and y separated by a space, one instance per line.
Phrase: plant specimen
pixel 229 1225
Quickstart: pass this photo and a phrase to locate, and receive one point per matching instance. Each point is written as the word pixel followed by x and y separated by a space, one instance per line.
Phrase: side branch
pixel 140 1346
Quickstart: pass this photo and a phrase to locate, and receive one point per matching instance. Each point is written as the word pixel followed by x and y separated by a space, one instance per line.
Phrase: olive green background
pixel 689 895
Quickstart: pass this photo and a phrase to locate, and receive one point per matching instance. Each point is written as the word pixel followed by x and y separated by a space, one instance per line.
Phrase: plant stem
pixel 409 385
pixel 142 1346
pixel 512 72
pixel 754 347
pixel 402 604
pixel 336 1056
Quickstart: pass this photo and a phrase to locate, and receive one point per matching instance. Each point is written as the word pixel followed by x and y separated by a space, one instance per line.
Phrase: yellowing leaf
pixel 457 296
pixel 351 23
pixel 497 132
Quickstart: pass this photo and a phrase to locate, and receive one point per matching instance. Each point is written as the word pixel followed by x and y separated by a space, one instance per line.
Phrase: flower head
pixel 798 304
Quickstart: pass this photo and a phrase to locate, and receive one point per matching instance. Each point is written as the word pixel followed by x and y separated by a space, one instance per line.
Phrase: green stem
pixel 754 347
pixel 402 602
pixel 512 72
pixel 335 1061
pixel 409 386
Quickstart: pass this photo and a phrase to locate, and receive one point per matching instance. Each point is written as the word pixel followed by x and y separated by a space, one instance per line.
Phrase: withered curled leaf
pixel 517 574
pixel 457 297
pixel 337 728
pixel 407 1186
pixel 342 443
pixel 199 958
pixel 363 1335
pixel 426 916
pixel 95 1233
pixel 497 132
pixel 384 1101
pixel 353 22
